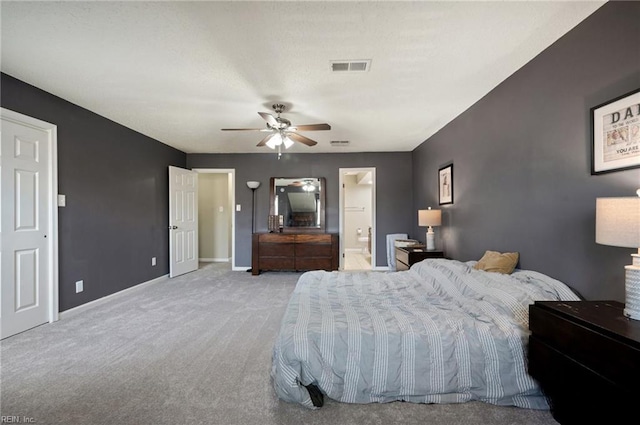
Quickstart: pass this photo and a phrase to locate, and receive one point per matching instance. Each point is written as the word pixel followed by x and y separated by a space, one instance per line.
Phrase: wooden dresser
pixel 586 357
pixel 294 251
pixel 408 256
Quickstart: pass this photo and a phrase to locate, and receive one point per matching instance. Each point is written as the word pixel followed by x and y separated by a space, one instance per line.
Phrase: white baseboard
pixel 214 260
pixel 381 269
pixel 106 298
pixel 240 269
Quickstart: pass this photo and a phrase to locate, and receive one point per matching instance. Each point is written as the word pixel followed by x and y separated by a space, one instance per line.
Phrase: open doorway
pixel 357 218
pixel 216 219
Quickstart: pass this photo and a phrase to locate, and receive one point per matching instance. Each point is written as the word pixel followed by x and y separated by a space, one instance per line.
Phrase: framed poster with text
pixel 615 133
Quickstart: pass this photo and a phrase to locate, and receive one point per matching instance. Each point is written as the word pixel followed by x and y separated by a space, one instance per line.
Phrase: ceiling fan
pixel 281 132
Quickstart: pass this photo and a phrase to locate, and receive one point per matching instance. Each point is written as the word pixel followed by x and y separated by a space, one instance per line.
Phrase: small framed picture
pixel 445 185
pixel 615 134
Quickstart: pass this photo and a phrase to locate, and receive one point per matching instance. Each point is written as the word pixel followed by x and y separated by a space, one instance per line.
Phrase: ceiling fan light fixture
pixel 282 132
pixel 274 141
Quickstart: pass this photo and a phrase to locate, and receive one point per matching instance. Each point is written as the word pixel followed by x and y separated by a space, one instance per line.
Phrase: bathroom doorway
pixel 357 218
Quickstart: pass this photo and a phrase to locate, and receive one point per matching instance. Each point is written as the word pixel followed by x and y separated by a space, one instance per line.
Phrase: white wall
pixel 214 217
pixel 358 210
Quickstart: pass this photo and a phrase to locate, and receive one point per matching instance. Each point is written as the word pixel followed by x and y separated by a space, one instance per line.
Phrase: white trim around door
pixel 342 207
pixel 232 201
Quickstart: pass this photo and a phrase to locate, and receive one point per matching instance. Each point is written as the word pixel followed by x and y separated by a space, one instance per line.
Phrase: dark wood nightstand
pixel 586 357
pixel 408 256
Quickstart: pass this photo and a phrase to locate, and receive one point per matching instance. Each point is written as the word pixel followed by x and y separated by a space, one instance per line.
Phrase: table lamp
pixel 430 218
pixel 618 224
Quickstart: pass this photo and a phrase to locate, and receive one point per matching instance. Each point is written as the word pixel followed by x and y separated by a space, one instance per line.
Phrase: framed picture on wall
pixel 615 134
pixel 445 185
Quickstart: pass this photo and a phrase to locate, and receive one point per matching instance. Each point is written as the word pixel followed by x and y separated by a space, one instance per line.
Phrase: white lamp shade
pixel 429 217
pixel 287 142
pixel 253 184
pixel 618 221
pixel 274 141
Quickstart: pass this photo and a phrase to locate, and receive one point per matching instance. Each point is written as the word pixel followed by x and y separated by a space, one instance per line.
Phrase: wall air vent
pixel 351 66
pixel 339 143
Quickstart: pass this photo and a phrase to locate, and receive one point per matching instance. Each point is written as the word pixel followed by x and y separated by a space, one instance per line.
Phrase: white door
pixel 28 224
pixel 183 221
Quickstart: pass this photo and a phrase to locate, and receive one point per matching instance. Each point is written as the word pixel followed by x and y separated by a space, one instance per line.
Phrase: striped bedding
pixel 441 332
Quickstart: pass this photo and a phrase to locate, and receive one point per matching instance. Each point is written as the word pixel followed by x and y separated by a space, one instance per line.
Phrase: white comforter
pixel 441 332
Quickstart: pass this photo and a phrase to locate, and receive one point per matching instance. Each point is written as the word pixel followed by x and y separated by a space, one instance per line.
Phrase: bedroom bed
pixel 441 332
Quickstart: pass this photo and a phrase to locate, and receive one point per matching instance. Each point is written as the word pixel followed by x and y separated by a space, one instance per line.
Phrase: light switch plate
pixel 238 208
pixel 62 201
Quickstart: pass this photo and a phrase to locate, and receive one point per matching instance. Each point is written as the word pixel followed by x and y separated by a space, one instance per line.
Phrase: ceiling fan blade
pixel 302 139
pixel 241 129
pixel 265 140
pixel 313 127
pixel 270 119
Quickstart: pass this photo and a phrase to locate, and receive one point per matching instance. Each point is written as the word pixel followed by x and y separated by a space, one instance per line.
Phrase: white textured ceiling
pixel 181 71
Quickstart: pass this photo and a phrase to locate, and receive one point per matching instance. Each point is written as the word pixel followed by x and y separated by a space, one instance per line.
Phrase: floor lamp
pixel 253 185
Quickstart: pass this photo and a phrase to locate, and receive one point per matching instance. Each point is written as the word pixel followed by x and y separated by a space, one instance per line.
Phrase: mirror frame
pixel 322 198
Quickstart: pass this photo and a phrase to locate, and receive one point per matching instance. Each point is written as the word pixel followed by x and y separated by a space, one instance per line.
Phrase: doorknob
pixel 173 227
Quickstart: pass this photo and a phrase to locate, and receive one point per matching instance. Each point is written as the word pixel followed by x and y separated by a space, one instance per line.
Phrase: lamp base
pixel 431 240
pixel 632 292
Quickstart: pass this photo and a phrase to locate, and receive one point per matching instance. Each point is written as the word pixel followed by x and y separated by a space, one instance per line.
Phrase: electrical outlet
pixel 79 286
pixel 153 261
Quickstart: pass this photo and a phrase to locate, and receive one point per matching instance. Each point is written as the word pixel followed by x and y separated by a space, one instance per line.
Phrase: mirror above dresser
pixel 301 203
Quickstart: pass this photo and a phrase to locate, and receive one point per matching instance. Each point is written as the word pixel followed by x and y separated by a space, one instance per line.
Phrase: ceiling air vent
pixel 351 66
pixel 339 143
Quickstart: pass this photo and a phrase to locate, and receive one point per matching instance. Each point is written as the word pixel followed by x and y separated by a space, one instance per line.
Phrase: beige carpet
pixel 191 350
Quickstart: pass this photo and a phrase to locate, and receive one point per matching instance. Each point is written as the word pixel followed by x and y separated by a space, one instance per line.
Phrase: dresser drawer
pixel 313 263
pixel 586 357
pixel 403 257
pixel 588 347
pixel 311 238
pixel 277 249
pixel 583 393
pixel 277 263
pixel 313 250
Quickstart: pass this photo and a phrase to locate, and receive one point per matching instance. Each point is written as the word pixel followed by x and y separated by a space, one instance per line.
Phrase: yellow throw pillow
pixel 496 262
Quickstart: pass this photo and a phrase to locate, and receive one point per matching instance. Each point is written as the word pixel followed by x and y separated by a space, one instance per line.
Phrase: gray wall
pixel 394 197
pixel 117 188
pixel 521 174
pixel 522 159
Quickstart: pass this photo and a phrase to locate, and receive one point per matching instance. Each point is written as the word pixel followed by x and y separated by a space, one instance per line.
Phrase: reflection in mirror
pixel 300 202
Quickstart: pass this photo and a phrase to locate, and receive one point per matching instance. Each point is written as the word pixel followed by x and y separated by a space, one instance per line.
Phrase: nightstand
pixel 409 255
pixel 586 357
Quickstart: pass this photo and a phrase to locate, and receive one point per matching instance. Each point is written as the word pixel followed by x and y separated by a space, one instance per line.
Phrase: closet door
pixel 27 224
